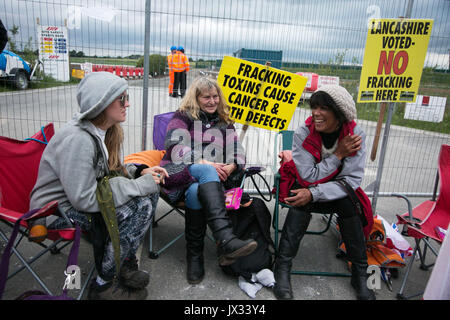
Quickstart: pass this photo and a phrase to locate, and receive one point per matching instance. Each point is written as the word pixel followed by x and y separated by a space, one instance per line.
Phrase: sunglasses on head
pixel 123 99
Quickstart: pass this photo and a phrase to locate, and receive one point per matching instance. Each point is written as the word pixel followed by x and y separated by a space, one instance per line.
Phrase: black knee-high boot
pixel 353 236
pixel 195 230
pixel 294 228
pixel 211 196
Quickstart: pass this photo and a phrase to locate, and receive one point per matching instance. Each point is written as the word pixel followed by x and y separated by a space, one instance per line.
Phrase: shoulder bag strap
pixel 352 194
pixel 355 200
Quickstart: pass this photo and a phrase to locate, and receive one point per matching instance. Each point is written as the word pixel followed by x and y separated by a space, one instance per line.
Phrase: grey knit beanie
pixel 97 91
pixel 342 98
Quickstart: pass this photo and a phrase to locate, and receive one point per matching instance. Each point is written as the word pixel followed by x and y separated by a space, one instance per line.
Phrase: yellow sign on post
pixel 258 95
pixel 393 59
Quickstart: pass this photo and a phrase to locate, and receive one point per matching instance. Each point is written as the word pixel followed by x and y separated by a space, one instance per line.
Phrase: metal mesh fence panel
pixel 323 37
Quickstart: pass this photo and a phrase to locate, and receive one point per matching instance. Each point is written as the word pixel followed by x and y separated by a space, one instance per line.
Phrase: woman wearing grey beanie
pixel 72 170
pixel 328 148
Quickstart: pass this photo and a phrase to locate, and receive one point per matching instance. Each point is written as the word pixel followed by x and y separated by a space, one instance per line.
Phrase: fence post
pixel 146 67
pixel 387 127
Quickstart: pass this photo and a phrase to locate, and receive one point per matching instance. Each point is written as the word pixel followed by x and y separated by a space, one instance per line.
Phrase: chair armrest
pixel 410 220
pixel 398 195
pixel 45 211
pixel 276 178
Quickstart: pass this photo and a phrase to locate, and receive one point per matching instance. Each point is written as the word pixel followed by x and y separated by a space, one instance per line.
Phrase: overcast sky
pixel 306 31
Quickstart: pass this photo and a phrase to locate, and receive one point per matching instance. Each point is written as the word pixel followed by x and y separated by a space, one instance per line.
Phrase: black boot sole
pixel 193 278
pixel 282 295
pixel 369 296
pixel 195 281
pixel 230 258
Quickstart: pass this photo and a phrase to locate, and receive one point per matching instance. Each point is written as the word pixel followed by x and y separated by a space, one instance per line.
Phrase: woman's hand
pixel 229 168
pixel 300 198
pixel 223 170
pixel 158 173
pixel 348 145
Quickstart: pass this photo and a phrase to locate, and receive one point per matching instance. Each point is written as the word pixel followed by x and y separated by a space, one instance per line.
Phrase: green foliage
pixel 104 60
pixel 49 82
pixel 25 51
pixel 157 64
pixel 12 40
pixel 74 53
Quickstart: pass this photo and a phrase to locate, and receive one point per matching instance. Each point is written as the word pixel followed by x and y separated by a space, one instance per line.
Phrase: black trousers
pixel 343 207
pixel 179 82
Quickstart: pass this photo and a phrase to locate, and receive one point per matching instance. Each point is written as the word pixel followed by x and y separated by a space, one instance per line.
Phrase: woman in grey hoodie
pixel 78 156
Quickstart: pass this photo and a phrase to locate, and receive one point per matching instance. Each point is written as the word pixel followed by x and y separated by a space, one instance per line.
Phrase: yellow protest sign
pixel 259 95
pixel 393 59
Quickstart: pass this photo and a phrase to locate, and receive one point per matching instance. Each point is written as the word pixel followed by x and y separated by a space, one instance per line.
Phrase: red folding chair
pixel 423 221
pixel 19 164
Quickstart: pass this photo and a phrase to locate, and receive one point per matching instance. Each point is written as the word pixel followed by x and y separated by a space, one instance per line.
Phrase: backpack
pixel 252 222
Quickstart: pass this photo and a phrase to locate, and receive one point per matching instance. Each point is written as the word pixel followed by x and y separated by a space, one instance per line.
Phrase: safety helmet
pixel 180 48
pixel 173 48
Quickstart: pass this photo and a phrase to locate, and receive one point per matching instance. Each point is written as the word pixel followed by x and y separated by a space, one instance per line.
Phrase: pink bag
pixel 233 198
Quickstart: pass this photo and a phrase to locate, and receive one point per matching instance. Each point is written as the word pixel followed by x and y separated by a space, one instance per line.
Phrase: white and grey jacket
pixel 70 166
pixel 320 171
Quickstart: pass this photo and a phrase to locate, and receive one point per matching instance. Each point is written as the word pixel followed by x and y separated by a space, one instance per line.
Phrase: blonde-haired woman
pixel 192 105
pixel 79 155
pixel 203 152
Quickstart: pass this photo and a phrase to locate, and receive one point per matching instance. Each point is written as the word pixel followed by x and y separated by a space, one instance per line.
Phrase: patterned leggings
pixel 133 217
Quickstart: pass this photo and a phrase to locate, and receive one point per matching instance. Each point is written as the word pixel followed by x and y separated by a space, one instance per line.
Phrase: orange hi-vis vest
pixel 170 61
pixel 186 63
pixel 180 62
pixel 171 76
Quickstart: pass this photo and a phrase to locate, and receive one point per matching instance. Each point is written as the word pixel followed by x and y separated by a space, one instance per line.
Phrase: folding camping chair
pixel 18 173
pixel 422 222
pixel 160 122
pixel 286 138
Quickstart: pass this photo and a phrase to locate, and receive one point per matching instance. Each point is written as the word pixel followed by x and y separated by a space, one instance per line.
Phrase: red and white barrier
pixel 121 71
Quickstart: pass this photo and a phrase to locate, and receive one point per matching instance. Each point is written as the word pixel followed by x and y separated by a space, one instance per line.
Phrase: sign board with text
pixel 426 108
pixel 259 95
pixel 53 51
pixel 393 59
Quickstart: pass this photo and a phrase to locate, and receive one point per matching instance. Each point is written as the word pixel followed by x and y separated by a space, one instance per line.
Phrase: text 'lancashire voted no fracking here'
pixel 259 95
pixel 393 59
